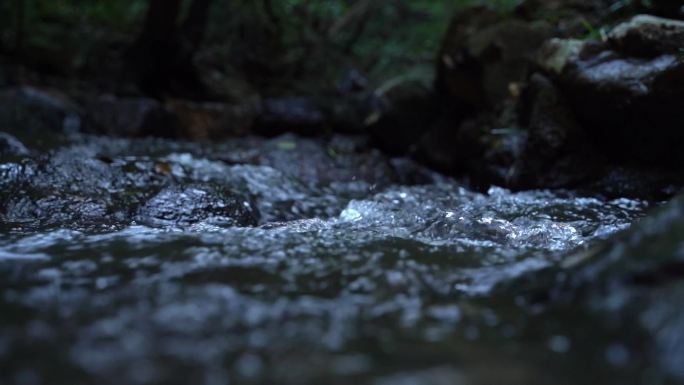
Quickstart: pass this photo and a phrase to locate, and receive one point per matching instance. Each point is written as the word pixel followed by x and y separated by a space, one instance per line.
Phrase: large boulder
pixel 484 59
pixel 557 152
pixel 639 275
pixel 648 36
pixel 483 53
pixel 627 92
pixel 210 120
pixel 115 116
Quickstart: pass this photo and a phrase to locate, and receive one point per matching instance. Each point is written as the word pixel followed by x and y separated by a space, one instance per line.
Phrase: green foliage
pixel 275 44
pixel 319 40
pixel 60 34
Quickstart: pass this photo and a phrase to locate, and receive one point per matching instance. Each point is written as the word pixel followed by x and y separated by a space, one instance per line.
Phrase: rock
pixel 185 205
pixel 646 35
pixel 639 273
pixel 130 117
pixel 231 89
pixel 317 162
pixel 402 114
pixel 11 146
pixel 55 211
pixel 629 105
pixel 632 282
pixel 61 192
pixel 557 54
pixel 74 189
pixel 352 82
pixel 648 183
pixel 484 59
pixel 349 114
pixel 299 115
pixel 211 119
pixel 482 54
pixel 449 149
pixel 557 152
pixel 34 111
pixel 498 163
pixel 459 74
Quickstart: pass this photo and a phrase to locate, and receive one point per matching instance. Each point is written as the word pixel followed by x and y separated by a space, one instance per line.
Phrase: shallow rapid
pixel 290 261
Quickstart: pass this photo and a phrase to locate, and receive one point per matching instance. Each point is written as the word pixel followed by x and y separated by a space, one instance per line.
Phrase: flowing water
pixel 322 264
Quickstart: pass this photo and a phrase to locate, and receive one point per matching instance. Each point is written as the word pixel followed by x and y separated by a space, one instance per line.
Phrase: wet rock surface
pixel 97 184
pixel 626 92
pixel 636 276
pixel 11 146
pixel 183 206
pixel 566 112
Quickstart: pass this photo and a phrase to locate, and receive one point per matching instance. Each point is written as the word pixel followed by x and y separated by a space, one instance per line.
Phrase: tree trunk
pixel 19 26
pixel 161 20
pixel 161 59
pixel 195 25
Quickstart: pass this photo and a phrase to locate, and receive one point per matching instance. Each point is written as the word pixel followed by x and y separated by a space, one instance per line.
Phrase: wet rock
pixel 482 54
pixel 484 59
pixel 497 163
pixel 629 105
pixel 35 111
pixel 232 89
pixel 75 189
pixel 352 82
pixel 318 162
pixel 186 205
pixel 557 152
pixel 71 193
pixel 349 114
pixel 299 115
pixel 646 35
pixel 11 146
pixel 639 275
pixel 131 117
pixel 649 183
pixel 57 211
pixel 212 120
pixel 447 146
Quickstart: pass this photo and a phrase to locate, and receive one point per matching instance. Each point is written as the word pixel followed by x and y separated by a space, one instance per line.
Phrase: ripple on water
pixel 358 285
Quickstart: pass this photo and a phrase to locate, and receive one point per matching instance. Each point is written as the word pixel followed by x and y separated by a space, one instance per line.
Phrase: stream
pixel 292 261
